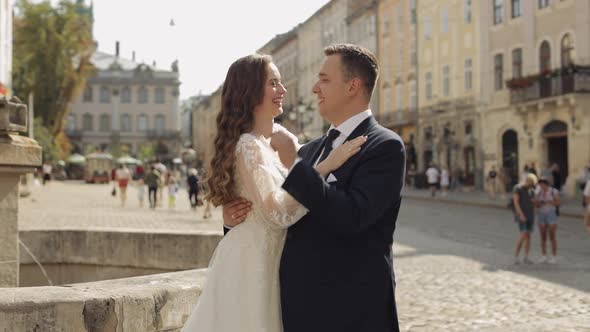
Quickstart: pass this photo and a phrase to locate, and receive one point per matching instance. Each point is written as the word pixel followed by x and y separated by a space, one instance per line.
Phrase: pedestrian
pixel 122 176
pixel 587 205
pixel 172 186
pixel 205 189
pixel 152 180
pixel 457 179
pixel 533 169
pixel 162 169
pixel 524 173
pixel 411 177
pixel 432 175
pixel 547 201
pixel 556 174
pixel 523 204
pixel 445 181
pixel 140 190
pixel 192 183
pixel 492 182
pixel 47 168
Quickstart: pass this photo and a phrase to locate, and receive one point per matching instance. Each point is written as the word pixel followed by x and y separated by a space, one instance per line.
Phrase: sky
pixel 207 36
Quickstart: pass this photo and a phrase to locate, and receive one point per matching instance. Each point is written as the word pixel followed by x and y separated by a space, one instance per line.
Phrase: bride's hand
pixel 340 155
pixel 286 145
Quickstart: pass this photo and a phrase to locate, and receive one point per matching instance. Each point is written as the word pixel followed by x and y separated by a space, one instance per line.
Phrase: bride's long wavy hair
pixel 242 91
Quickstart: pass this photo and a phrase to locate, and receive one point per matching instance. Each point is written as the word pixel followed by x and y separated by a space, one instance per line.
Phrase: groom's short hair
pixel 357 62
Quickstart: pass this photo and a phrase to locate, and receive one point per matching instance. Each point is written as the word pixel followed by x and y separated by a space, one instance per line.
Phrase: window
pixel 516 8
pixel 125 122
pixel 399 97
pixel 105 95
pixel 517 63
pixel 105 122
pixel 498 72
pixel 413 95
pixel 142 95
pixel 160 123
pixel 543 3
pixel 498 11
pixel 87 122
pixel 446 80
pixel 428 86
pixel 467 11
pixel 444 19
pixel 126 95
pixel 545 57
pixel 142 123
pixel 159 96
pixel 468 74
pixel 567 51
pixel 87 94
pixel 71 122
pixel 427 28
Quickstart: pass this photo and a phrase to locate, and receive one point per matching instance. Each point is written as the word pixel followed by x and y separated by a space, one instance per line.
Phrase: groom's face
pixel 331 88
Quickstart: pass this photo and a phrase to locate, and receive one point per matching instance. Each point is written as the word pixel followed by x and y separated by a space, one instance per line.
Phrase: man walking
pixel 524 215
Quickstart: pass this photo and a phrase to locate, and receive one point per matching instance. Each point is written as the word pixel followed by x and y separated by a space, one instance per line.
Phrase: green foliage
pixel 146 152
pixel 52 50
pixel 46 140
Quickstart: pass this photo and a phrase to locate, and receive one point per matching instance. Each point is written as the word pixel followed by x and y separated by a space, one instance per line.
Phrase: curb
pixel 481 204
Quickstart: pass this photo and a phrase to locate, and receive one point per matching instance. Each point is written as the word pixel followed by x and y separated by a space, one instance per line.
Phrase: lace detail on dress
pixel 260 176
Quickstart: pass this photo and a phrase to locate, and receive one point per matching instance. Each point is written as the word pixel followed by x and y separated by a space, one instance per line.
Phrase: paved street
pixel 453 263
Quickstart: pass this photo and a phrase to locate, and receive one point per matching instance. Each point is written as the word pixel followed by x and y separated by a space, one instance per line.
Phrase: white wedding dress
pixel 242 290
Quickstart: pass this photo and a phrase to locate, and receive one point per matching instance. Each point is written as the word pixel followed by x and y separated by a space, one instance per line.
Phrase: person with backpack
pixel 547 200
pixel 523 205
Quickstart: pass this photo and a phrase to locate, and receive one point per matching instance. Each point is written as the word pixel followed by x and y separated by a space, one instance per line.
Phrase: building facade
pixel 126 106
pixel 205 127
pixel 398 88
pixel 5 46
pixel 537 65
pixel 449 134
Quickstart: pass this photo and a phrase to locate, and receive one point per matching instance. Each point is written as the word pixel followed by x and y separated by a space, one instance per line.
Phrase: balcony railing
pixel 163 134
pixel 397 118
pixel 557 83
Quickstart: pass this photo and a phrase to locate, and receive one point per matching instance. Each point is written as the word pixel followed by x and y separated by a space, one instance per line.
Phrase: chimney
pixel 117 48
pixel 133 56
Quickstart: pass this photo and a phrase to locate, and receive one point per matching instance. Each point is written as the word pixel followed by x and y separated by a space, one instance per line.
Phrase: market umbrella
pixel 127 160
pixel 76 159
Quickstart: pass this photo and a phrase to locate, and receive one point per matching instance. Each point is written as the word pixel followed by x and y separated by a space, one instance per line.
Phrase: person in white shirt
pixel 445 181
pixel 122 176
pixel 432 175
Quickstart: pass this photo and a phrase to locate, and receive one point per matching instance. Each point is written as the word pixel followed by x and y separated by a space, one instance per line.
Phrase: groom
pixel 336 269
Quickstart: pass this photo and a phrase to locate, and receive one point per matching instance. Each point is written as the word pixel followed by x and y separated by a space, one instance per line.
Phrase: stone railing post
pixel 18 155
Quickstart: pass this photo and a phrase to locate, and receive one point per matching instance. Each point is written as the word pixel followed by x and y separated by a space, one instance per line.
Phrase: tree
pixel 52 50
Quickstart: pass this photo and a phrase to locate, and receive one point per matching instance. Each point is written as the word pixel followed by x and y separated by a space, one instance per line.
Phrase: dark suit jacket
pixel 336 269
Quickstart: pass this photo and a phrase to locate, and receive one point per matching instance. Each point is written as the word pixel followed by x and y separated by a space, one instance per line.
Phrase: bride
pixel 242 291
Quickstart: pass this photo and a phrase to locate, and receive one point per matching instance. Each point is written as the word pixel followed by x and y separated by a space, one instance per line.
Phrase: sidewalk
pixel 570 207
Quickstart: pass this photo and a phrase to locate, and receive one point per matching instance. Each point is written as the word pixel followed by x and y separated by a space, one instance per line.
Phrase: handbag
pixel 114 192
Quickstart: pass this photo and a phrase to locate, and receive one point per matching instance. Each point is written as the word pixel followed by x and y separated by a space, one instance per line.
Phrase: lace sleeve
pixel 263 186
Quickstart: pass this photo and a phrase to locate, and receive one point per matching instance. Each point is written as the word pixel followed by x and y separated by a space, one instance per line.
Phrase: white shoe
pixel 553 260
pixel 543 260
pixel 527 261
pixel 517 260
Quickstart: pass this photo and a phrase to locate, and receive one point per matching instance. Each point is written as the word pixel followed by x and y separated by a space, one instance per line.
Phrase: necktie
pixel 332 135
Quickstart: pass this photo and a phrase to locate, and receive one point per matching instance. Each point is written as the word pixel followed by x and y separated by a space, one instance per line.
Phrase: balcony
pixel 562 81
pixel 74 134
pixel 397 118
pixel 162 134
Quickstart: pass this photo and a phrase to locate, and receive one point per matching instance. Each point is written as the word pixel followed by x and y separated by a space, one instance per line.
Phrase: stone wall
pixel 159 302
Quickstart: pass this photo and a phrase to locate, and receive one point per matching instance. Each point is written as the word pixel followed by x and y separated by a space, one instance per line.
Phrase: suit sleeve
pixel 375 186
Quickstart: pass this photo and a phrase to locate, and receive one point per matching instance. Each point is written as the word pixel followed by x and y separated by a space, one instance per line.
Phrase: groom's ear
pixel 355 86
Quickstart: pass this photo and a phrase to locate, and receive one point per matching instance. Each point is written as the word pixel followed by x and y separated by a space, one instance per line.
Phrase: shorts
pixel 526 226
pixel 123 183
pixel 547 218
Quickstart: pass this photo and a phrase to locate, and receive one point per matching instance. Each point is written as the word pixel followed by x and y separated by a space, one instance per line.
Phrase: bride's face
pixel 274 91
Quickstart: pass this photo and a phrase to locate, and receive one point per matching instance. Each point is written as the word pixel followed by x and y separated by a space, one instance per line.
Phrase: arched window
pixel 160 123
pixel 105 122
pixel 71 122
pixel 125 122
pixel 567 51
pixel 142 123
pixel 545 57
pixel 126 95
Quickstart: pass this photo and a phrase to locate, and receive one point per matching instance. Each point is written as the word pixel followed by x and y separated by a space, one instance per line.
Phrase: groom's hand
pixel 235 212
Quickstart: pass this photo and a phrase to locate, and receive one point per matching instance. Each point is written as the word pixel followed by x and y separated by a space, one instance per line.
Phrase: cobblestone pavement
pixel 77 205
pixel 454 265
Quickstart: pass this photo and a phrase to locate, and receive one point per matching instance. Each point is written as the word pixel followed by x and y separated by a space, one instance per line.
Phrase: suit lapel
pixel 362 128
